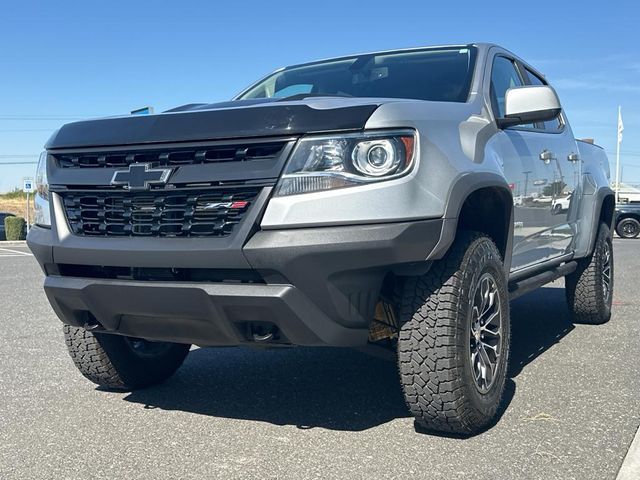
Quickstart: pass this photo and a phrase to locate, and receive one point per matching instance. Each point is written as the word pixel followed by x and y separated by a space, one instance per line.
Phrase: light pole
pixel 526 182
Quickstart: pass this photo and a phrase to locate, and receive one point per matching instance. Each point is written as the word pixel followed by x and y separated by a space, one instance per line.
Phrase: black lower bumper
pixel 194 313
pixel 319 285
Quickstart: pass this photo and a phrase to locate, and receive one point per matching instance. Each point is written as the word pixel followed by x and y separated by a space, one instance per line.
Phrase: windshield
pixel 442 74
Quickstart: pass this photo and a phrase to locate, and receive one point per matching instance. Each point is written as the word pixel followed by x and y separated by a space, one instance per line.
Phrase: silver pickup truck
pixel 398 198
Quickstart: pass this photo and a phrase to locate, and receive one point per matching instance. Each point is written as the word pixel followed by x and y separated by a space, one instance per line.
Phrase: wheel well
pixel 608 209
pixel 488 210
pixel 624 216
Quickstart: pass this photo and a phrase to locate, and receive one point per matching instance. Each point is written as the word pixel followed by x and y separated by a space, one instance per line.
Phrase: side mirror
pixel 530 104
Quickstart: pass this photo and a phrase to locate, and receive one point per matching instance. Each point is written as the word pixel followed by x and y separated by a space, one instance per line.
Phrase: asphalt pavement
pixel 571 408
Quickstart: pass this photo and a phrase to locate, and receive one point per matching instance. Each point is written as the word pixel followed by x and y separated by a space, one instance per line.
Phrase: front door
pixel 536 164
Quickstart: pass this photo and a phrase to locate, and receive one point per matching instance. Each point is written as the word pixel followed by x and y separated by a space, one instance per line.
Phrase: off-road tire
pixel 434 355
pixel 585 291
pixel 111 362
pixel 628 228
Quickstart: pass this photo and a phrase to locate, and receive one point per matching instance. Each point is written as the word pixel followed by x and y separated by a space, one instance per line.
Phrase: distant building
pixel 628 193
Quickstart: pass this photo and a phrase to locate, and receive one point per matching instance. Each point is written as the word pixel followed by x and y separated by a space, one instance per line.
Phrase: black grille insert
pixel 172 157
pixel 158 213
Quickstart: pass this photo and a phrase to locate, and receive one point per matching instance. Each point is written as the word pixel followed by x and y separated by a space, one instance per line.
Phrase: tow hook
pixel 262 332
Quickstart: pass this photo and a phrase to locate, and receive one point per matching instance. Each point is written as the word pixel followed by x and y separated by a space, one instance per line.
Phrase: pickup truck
pixel 361 200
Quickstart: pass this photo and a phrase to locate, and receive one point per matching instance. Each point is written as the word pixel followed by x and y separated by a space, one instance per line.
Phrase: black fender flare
pixel 462 187
pixel 601 195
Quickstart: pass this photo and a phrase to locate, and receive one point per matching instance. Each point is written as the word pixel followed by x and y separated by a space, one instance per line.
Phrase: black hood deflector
pixel 217 124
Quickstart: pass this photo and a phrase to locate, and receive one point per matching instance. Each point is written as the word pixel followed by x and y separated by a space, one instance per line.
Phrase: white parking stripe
pixel 630 469
pixel 14 253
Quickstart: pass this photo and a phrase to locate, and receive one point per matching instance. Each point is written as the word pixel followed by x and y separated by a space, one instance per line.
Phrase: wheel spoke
pixel 492 333
pixel 485 330
pixel 489 366
pixel 492 317
pixel 606 271
pixel 476 364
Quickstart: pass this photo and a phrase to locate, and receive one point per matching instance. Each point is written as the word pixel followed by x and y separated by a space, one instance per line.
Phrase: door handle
pixel 573 157
pixel 546 156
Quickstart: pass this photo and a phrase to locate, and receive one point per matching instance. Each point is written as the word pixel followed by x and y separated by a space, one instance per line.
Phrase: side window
pixel 551 125
pixel 504 76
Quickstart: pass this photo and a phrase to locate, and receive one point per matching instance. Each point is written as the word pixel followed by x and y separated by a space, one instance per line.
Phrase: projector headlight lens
pixel 376 158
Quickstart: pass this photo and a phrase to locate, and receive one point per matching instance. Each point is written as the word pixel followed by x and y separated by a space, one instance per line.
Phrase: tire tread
pixel 583 286
pixel 108 361
pixel 427 348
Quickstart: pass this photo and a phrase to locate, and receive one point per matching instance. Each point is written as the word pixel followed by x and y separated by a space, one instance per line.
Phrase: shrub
pixel 15 228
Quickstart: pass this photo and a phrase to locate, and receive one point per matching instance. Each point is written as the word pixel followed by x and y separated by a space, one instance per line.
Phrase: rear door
pixel 556 138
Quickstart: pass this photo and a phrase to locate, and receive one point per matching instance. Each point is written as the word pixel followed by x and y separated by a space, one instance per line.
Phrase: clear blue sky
pixel 63 60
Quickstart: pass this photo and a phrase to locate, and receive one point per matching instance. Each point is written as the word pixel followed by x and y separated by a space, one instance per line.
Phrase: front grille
pixel 158 213
pixel 172 157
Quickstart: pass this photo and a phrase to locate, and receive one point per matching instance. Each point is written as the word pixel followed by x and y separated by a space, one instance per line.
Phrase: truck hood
pixel 227 120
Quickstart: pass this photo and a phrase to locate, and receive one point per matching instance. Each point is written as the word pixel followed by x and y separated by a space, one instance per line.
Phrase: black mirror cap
pixel 529 117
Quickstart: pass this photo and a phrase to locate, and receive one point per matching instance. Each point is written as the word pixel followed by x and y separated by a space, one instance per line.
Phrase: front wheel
pixel 122 363
pixel 453 347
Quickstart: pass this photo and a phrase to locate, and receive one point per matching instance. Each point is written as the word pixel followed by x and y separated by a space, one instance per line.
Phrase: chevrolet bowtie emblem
pixel 140 176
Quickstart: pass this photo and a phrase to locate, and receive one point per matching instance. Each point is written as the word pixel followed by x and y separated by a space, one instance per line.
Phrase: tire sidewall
pixel 604 238
pixel 483 261
pixel 620 228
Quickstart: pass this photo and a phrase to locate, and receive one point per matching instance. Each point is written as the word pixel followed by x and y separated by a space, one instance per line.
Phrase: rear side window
pixel 504 76
pixel 551 125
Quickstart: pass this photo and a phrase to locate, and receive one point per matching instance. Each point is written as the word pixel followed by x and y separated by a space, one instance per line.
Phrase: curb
pixel 630 469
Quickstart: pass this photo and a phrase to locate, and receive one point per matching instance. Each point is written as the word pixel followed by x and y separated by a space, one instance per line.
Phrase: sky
pixel 65 60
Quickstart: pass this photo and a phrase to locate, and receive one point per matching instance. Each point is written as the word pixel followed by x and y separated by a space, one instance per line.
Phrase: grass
pixel 16 202
pixel 13 195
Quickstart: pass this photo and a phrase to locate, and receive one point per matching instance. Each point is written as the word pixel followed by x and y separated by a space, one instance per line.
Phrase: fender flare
pixel 601 195
pixel 462 187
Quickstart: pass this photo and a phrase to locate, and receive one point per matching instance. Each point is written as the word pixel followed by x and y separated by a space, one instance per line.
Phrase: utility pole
pixel 526 182
pixel 620 130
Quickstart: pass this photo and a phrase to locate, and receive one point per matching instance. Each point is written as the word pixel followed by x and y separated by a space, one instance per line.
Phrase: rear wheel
pixel 628 228
pixel 453 347
pixel 122 363
pixel 589 288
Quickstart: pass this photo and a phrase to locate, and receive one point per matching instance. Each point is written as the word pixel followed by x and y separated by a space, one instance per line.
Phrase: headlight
pixel 337 161
pixel 41 200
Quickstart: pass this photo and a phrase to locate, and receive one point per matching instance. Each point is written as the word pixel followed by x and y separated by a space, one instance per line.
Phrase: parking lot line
pixel 7 252
pixel 630 469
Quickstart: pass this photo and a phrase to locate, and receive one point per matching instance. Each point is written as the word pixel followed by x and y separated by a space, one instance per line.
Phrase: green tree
pixel 554 189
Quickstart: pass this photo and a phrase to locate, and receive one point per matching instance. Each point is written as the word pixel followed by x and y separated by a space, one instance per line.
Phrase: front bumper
pixel 319 286
pixel 193 313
